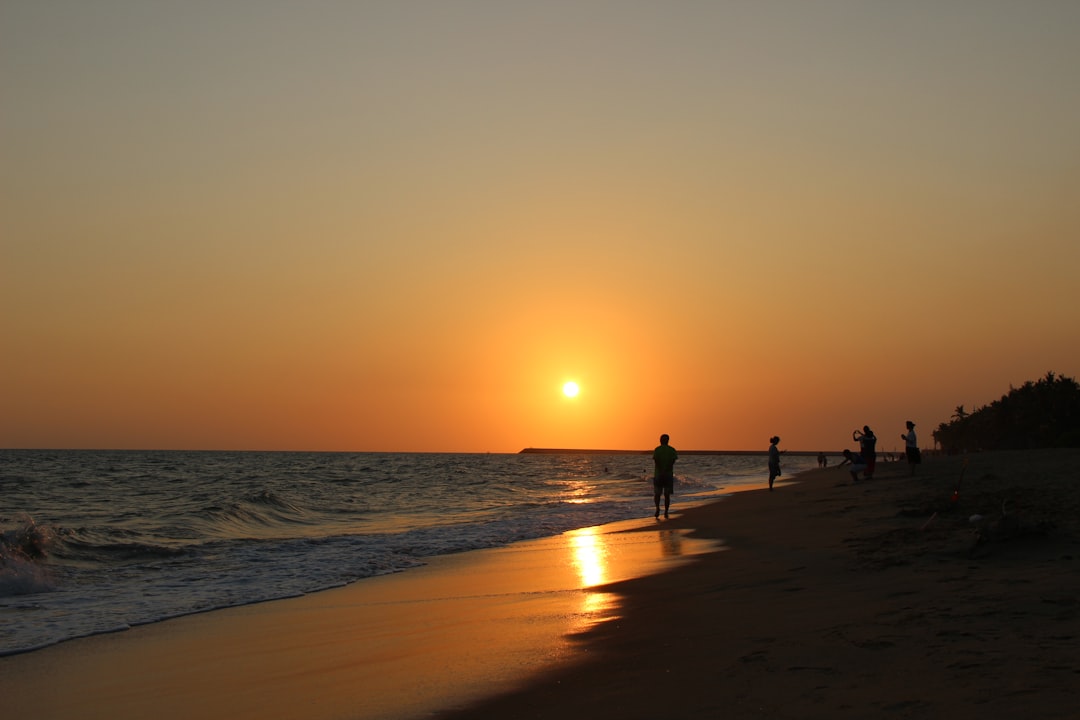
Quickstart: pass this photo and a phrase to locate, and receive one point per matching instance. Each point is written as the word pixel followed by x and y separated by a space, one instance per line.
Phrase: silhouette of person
pixel 822 461
pixel 664 457
pixel 857 463
pixel 911 446
pixel 867 448
pixel 774 459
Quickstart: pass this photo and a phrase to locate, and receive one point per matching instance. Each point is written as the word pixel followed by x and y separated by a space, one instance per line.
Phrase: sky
pixel 404 225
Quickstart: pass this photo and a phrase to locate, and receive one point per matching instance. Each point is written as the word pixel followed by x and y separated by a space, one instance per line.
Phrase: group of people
pixel 864 461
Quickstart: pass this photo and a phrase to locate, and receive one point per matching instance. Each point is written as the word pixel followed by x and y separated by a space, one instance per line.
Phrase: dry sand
pixel 830 599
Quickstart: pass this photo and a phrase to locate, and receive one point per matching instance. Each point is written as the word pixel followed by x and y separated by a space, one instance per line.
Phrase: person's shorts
pixel 914 456
pixel 666 482
pixel 858 467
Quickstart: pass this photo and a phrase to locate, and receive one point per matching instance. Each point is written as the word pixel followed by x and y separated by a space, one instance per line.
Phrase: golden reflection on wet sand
pixel 600 557
pixel 590 555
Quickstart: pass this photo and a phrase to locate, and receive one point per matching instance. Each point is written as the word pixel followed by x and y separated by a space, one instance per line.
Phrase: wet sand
pixel 398 646
pixel 829 599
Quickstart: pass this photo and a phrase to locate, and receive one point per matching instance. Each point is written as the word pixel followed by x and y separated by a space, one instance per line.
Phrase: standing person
pixel 911 446
pixel 664 457
pixel 774 459
pixel 867 448
pixel 822 461
pixel 857 464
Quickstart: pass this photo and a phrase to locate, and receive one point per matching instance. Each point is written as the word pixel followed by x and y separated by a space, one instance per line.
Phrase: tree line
pixel 1040 414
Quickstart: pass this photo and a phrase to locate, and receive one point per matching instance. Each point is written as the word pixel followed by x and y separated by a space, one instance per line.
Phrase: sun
pixel 570 389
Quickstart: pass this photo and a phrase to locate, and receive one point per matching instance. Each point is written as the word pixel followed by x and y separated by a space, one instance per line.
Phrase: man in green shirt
pixel 664 457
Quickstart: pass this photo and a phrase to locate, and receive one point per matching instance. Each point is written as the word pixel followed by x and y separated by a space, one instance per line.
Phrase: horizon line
pixel 524 451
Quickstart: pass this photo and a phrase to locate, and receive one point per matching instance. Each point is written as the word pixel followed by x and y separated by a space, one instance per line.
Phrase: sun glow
pixel 570 389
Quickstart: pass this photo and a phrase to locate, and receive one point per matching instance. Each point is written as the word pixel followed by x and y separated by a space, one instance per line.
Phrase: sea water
pixel 99 541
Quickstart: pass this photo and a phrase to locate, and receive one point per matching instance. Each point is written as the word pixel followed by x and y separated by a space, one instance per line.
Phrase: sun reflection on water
pixel 578 492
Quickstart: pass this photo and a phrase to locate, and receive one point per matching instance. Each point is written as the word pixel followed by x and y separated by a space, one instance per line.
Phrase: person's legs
pixel 667 499
pixel 656 497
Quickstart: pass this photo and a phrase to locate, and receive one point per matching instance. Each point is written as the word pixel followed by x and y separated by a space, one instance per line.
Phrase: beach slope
pixel 880 599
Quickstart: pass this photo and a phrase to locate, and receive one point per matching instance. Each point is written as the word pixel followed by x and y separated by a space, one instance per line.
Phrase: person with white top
pixel 911 446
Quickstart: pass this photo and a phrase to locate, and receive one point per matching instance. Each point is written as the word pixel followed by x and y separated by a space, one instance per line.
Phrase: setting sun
pixel 570 389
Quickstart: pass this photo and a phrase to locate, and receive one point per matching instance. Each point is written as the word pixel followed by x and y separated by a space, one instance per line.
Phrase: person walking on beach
pixel 911 446
pixel 822 460
pixel 774 460
pixel 857 464
pixel 664 457
pixel 867 448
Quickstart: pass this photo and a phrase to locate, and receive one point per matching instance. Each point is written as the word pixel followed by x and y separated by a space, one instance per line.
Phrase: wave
pixel 261 515
pixel 22 577
pixel 21 553
pixel 30 541
pixel 271 499
pixel 107 552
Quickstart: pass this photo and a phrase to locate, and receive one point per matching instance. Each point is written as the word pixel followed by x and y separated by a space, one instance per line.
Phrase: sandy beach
pixel 823 599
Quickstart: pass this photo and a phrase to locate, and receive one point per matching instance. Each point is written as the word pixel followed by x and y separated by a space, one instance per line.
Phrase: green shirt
pixel 664 457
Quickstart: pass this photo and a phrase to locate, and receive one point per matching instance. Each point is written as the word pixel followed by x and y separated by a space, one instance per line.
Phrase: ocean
pixel 100 541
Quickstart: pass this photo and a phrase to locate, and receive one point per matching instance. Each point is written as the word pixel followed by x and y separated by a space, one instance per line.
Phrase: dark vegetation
pixel 1041 414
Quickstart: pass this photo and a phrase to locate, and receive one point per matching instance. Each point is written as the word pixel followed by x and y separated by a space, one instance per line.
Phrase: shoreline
pixel 396 646
pixel 825 599
pixel 45 627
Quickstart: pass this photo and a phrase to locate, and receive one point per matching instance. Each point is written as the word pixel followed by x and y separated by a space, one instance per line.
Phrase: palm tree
pixel 960 413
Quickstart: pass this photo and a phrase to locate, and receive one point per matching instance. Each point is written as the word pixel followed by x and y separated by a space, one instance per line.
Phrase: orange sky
pixel 402 227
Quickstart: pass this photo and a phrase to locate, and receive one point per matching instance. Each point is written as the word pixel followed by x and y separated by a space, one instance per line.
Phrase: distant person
pixel 867 448
pixel 911 446
pixel 774 459
pixel 664 457
pixel 858 465
pixel 822 460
